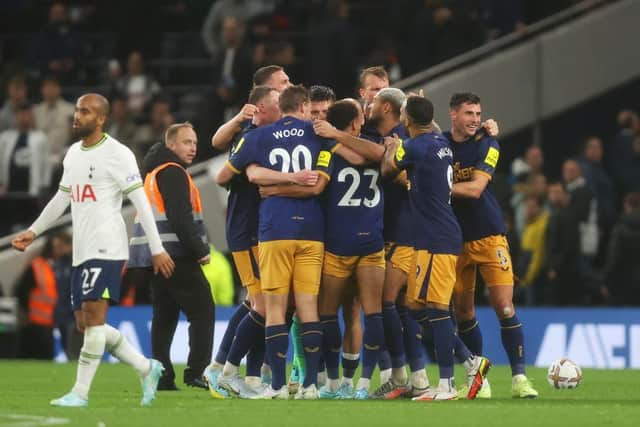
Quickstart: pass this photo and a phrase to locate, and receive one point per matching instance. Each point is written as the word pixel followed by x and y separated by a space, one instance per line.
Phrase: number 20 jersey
pixel 354 209
pixel 288 145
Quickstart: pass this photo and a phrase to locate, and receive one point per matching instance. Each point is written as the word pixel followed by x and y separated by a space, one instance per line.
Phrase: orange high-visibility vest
pixel 43 297
pixel 139 253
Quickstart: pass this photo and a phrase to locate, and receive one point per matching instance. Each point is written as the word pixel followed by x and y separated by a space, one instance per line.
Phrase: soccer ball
pixel 564 373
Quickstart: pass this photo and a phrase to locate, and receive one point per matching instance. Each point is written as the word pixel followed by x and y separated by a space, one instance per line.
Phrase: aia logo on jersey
pixel 81 194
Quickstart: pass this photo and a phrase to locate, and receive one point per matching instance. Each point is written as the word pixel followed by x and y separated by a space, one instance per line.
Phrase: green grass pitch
pixel 606 398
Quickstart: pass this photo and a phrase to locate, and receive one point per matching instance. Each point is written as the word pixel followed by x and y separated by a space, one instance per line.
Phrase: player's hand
pixel 23 240
pixel 205 259
pixel 246 113
pixel 305 177
pixel 163 263
pixel 324 129
pixel 491 126
pixel 389 141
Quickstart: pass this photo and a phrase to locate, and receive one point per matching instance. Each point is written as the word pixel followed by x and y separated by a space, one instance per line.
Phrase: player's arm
pixel 264 176
pixel 225 133
pixel 54 209
pixel 482 173
pixel 388 167
pixel 226 174
pixel 296 191
pixel 349 155
pixel 367 149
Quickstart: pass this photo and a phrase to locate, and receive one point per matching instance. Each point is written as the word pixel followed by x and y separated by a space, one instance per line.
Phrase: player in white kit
pixel 98 171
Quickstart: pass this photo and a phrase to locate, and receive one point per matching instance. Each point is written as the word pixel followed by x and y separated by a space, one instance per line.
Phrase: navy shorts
pixel 96 279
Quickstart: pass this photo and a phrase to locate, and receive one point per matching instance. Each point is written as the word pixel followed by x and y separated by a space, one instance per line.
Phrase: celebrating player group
pixel 360 204
pixel 366 205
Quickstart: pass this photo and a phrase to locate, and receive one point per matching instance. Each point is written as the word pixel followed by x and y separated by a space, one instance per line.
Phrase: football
pixel 564 373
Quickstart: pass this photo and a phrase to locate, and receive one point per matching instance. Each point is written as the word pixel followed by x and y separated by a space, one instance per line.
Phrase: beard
pixel 83 131
pixel 373 121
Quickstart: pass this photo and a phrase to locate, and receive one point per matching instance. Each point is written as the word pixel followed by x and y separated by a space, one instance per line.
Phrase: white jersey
pixel 96 178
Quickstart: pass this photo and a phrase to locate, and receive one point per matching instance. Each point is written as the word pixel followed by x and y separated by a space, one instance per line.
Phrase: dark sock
pixel 426 333
pixel 312 344
pixel 227 338
pixel 513 343
pixel 373 341
pixel 332 340
pixel 412 338
pixel 276 346
pixel 393 334
pixel 349 367
pixel 384 361
pixel 255 357
pixel 443 338
pixel 250 330
pixel 470 334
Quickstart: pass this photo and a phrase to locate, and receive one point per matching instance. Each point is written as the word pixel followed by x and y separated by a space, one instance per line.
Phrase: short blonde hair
pixel 172 131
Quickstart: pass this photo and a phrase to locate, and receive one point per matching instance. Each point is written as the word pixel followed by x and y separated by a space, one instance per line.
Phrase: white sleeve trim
pixel 51 212
pixel 145 216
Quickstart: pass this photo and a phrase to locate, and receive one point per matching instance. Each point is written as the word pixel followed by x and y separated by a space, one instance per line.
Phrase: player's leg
pixel 497 272
pixel 276 261
pixel 464 301
pixel 351 343
pixel 329 299
pixel 306 283
pixel 397 266
pixel 298 365
pixel 412 337
pixel 370 286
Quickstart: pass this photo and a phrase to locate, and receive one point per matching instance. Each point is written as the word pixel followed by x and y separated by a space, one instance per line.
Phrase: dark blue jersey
pixel 428 160
pixel 242 206
pixel 354 209
pixel 480 217
pixel 288 145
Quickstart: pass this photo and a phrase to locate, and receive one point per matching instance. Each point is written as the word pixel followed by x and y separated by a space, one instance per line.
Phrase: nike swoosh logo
pixel 312 349
pixel 86 292
pixel 281 355
pixel 371 347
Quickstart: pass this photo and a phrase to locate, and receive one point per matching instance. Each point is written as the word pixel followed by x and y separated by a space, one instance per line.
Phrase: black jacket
pixel 622 269
pixel 174 187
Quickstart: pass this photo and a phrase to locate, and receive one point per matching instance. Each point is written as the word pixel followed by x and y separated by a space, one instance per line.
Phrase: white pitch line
pixel 20 420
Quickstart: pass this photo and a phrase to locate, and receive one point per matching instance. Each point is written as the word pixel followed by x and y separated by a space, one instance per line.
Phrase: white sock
pixel 446 384
pixel 468 364
pixel 333 384
pixel 229 370
pixel 363 383
pixel 265 369
pixel 118 345
pixel 347 380
pixel 215 366
pixel 252 381
pixel 419 379
pixel 90 356
pixel 322 378
pixel 385 375
pixel 399 375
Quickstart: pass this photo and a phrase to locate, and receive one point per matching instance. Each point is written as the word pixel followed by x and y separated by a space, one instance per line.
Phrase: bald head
pixel 98 103
pixel 91 112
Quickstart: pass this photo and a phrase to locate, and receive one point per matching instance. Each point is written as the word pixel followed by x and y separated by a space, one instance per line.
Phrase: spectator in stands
pixel 233 69
pixel 531 162
pixel 53 116
pixel 332 41
pixel 244 10
pixel 562 250
pixel 120 125
pixel 536 185
pixel 16 95
pixel 152 132
pixel 624 158
pixel 24 169
pixel 37 296
pixel 56 49
pixel 60 247
pixel 622 269
pixel 136 86
pixel 598 180
pixel 531 262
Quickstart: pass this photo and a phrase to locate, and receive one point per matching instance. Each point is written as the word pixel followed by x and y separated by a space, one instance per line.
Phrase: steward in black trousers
pixel 177 209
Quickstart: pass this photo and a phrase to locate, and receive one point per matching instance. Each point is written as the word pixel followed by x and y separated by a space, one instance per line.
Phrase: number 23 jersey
pixel 288 145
